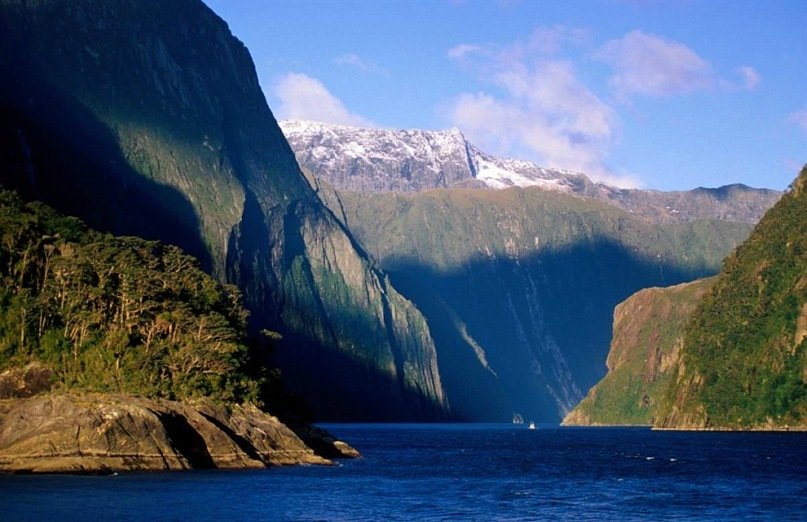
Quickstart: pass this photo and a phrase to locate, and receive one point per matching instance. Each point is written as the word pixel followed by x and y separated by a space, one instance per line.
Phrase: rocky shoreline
pixel 104 433
pixel 750 429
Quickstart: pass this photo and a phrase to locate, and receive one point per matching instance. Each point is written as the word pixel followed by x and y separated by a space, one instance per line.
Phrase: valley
pixel 406 275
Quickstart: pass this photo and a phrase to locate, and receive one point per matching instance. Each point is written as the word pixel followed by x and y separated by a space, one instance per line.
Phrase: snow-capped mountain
pixel 384 160
pixel 364 159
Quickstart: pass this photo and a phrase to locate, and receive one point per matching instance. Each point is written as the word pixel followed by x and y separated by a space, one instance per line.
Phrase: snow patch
pixel 496 175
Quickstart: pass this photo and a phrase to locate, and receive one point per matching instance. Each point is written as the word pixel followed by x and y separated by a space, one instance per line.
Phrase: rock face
pixel 645 350
pixel 97 433
pixel 381 160
pixel 23 382
pixel 149 121
pixel 518 286
pixel 375 160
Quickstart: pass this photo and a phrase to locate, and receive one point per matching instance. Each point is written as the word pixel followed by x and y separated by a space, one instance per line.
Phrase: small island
pixel 121 354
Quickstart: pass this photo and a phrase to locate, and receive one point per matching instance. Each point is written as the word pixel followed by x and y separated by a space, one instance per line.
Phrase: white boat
pixel 532 425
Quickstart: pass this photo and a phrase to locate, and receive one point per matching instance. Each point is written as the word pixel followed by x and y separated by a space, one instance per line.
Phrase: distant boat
pixel 517 418
pixel 532 425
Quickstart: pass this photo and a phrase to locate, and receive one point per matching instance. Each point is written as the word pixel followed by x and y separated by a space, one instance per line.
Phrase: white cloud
pixel 534 104
pixel 542 110
pixel 543 42
pixel 356 61
pixel 305 98
pixel 546 112
pixel 650 65
pixel 548 41
pixel 799 118
pixel 750 77
pixel 458 52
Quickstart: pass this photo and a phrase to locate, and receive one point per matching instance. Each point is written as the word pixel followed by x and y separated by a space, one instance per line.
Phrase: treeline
pixel 121 314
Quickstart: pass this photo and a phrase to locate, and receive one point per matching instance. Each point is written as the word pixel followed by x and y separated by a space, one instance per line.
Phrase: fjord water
pixel 461 472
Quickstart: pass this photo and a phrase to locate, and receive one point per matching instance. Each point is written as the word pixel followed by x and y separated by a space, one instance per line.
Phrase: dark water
pixel 461 472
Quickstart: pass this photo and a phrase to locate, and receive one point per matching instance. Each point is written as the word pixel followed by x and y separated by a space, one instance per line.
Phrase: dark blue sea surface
pixel 461 472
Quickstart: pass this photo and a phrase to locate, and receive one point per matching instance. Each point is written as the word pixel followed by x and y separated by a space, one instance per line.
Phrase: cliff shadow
pixel 339 388
pixel 544 322
pixel 267 260
pixel 242 443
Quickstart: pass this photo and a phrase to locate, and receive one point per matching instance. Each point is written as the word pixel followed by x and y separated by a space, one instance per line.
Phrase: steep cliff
pixel 645 350
pixel 147 119
pixel 518 285
pixel 743 363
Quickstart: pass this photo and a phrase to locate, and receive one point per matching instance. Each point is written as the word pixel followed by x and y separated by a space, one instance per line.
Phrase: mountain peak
pixel 410 160
pixel 380 160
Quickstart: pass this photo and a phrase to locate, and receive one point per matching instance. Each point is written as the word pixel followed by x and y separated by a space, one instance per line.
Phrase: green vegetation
pixel 745 353
pixel 518 286
pixel 116 313
pixel 648 332
pixel 151 122
pixel 446 229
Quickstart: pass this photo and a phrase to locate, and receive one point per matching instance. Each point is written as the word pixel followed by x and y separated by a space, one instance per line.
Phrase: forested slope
pixel 121 314
pixel 744 361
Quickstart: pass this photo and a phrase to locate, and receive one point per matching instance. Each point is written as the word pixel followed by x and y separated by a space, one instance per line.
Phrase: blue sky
pixel 658 94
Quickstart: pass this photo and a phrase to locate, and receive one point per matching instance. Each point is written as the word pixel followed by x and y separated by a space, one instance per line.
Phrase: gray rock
pixel 99 433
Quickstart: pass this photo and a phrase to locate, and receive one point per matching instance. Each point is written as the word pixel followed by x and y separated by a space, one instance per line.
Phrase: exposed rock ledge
pixel 98 433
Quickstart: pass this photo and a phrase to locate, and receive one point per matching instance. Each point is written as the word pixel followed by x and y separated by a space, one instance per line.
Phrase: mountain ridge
pixel 373 160
pixel 166 116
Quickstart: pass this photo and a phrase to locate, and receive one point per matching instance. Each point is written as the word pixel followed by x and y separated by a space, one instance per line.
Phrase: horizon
pixel 655 95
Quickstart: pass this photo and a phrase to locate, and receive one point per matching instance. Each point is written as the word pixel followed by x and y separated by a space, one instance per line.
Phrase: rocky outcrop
pixel 645 351
pixel 324 444
pixel 99 433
